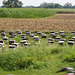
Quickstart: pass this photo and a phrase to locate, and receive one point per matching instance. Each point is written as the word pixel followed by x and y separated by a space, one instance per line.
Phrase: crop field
pixel 30 12
pixel 40 19
pixel 56 23
pixel 25 13
pixel 36 41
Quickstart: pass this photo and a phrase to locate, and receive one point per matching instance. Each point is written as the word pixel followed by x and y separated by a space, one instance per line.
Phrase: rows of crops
pixel 25 13
pixel 29 12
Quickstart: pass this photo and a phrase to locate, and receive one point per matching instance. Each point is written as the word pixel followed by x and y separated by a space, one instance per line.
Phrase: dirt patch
pixel 65 22
pixel 65 12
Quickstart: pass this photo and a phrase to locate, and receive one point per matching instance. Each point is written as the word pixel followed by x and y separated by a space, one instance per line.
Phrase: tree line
pixel 19 4
pixel 56 5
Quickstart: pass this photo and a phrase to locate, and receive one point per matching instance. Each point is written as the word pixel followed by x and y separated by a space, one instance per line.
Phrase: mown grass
pixel 44 59
pixel 29 12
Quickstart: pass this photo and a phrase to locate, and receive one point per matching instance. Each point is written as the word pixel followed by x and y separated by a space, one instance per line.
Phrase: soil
pixel 60 22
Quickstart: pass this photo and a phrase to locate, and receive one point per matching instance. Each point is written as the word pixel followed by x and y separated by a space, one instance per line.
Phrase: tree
pixel 57 5
pixel 44 5
pixel 67 5
pixel 51 5
pixel 12 4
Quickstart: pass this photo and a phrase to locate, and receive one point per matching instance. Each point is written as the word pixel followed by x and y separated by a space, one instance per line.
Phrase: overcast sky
pixel 38 2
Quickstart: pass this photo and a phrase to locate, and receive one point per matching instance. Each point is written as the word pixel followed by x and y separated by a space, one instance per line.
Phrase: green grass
pixel 43 54
pixel 29 12
pixel 25 13
pixel 44 59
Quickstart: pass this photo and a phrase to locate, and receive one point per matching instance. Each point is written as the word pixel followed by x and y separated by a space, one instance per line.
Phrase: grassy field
pixel 43 59
pixel 29 12
pixel 25 13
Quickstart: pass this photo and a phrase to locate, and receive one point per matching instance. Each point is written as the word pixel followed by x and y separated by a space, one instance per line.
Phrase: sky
pixel 38 2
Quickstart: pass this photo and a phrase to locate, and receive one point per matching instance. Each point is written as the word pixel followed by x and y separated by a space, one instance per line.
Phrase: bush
pixel 40 64
pixel 70 57
pixel 14 61
pixel 19 59
pixel 56 50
